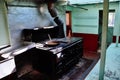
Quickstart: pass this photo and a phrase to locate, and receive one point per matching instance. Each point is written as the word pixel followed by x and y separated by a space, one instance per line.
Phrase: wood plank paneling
pixel 90 41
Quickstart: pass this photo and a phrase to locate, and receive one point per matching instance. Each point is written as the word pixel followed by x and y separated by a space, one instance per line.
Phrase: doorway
pixel 111 18
pixel 68 24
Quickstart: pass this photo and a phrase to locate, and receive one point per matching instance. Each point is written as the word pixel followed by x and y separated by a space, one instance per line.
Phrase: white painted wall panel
pixel 4 32
pixel 7 68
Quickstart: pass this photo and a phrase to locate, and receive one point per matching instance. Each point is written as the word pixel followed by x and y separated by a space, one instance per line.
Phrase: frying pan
pixel 52 43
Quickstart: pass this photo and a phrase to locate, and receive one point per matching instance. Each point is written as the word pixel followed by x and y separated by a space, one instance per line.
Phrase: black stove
pixel 52 62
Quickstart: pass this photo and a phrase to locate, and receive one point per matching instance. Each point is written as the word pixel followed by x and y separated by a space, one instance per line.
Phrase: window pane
pixel 111 19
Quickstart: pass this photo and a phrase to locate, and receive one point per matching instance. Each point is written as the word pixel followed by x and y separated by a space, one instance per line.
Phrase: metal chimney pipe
pixel 53 13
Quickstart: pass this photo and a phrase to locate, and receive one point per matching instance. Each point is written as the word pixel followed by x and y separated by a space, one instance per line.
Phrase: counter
pixel 7 65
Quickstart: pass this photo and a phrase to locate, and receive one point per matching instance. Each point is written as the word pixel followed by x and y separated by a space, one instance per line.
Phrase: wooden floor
pixel 89 60
pixel 91 54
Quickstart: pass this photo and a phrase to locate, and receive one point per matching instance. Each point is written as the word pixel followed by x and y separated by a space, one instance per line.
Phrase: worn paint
pixel 112 66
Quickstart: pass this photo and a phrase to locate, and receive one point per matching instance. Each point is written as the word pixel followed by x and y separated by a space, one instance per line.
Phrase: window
pixel 4 31
pixel 111 18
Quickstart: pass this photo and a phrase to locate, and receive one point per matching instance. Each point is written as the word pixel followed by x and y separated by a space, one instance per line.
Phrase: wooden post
pixel 104 39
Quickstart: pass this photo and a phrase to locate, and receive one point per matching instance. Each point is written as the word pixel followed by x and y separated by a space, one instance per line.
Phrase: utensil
pixel 49 37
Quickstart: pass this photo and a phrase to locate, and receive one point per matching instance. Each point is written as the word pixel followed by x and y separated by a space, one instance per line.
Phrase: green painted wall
pixel 117 23
pixel 87 21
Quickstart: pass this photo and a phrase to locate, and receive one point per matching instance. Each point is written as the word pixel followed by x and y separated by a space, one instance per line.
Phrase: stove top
pixel 63 42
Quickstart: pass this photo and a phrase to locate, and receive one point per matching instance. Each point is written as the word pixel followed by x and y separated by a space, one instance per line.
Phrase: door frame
pixel 68 23
pixel 100 27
